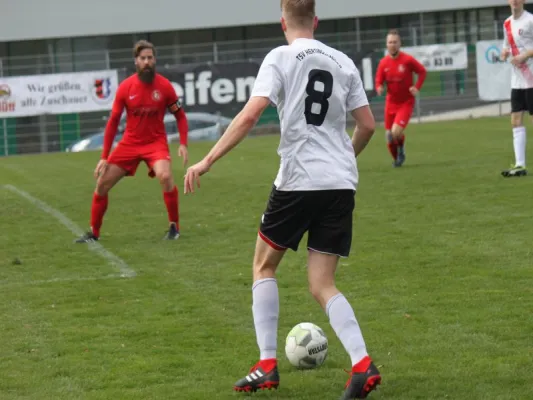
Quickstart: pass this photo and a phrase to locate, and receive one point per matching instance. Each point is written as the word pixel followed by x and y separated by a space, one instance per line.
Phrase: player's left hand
pixel 519 59
pixel 192 177
pixel 183 152
pixel 413 90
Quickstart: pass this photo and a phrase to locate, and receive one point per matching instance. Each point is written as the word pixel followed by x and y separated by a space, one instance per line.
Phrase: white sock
pixel 266 311
pixel 343 322
pixel 519 143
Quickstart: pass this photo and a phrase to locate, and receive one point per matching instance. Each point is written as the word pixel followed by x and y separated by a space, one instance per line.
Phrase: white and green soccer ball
pixel 306 346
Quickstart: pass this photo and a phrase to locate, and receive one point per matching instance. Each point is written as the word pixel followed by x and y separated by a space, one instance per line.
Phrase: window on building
pixel 167 45
pixel 428 34
pixel 89 53
pixel 28 57
pixel 409 28
pixel 460 26
pixel 3 59
pixel 473 31
pixel 229 42
pixel 446 27
pixel 120 50
pixel 487 24
pixel 371 34
pixel 196 45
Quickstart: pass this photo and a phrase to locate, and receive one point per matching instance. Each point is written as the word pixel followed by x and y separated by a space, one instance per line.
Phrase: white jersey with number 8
pixel 313 87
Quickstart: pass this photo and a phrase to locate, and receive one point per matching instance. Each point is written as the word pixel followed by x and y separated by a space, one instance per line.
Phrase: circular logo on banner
pixel 6 105
pixel 5 91
pixel 101 89
pixel 493 54
pixel 156 95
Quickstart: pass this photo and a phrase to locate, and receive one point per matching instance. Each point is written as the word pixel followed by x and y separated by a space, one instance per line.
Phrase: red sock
pixel 98 210
pixel 401 140
pixel 393 148
pixel 171 201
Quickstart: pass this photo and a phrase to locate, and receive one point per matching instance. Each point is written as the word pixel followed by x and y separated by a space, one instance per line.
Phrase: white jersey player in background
pixel 314 87
pixel 518 47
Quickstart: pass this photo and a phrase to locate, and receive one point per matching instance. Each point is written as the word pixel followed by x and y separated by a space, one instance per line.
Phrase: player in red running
pixel 146 96
pixel 396 70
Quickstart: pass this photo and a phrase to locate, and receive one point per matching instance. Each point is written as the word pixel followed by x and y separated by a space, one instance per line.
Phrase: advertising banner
pixel 493 75
pixel 225 87
pixel 80 92
pixel 440 57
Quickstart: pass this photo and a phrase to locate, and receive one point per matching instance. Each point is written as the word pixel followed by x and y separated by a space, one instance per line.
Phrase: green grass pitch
pixel 440 277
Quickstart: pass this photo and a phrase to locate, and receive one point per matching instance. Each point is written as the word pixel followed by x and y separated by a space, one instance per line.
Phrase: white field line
pixel 117 262
pixel 54 280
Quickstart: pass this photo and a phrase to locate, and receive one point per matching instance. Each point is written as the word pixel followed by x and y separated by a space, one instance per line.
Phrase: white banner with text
pixel 493 74
pixel 440 57
pixel 31 95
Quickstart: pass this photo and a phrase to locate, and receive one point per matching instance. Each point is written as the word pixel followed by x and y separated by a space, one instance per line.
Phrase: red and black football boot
pixel 263 375
pixel 363 379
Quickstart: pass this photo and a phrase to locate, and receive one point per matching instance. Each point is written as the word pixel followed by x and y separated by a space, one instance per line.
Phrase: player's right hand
pixel 100 168
pixel 505 54
pixel 192 177
pixel 379 90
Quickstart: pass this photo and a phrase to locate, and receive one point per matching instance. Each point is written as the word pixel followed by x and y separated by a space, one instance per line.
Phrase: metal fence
pixel 443 91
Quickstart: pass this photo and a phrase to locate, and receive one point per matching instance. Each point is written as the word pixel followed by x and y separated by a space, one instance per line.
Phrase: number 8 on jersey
pixel 319 89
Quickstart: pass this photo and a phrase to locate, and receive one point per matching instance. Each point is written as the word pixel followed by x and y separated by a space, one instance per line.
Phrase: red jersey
pixel 146 105
pixel 398 74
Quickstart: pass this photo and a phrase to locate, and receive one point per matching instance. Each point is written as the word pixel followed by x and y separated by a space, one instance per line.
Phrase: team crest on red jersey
pixel 401 68
pixel 156 95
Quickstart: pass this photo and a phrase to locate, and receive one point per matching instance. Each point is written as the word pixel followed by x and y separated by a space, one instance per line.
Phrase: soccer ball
pixel 306 346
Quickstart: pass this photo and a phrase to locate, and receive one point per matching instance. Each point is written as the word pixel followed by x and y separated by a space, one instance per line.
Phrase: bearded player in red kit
pixel 396 70
pixel 146 96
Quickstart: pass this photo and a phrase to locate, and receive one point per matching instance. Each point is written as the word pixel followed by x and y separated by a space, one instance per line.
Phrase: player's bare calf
pixel 163 172
pixel 321 276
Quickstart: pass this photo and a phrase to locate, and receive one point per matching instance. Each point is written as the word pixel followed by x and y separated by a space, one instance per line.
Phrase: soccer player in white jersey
pixel 518 46
pixel 314 87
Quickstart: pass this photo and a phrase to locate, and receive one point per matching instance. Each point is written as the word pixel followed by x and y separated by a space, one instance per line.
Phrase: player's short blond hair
pixel 394 32
pixel 142 45
pixel 299 12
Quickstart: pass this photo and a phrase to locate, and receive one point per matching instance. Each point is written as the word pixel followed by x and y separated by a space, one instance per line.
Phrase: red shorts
pixel 399 114
pixel 128 156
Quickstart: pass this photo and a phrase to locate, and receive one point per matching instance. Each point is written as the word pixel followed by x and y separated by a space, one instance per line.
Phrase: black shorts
pixel 522 100
pixel 325 214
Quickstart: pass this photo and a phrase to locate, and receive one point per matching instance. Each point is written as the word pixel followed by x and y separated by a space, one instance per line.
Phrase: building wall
pixel 31 19
pixel 243 42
